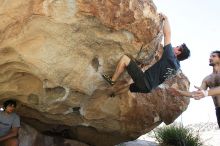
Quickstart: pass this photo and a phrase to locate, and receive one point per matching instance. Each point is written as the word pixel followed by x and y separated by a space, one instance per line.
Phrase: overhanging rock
pixel 54 52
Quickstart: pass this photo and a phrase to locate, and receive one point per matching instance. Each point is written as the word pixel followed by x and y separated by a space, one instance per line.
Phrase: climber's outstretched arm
pixel 166 30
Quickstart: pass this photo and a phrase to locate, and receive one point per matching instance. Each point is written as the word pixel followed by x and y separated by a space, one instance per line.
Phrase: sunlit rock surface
pixel 53 53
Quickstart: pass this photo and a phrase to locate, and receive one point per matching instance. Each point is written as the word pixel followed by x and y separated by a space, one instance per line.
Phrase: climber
pixel 9 124
pixel 145 81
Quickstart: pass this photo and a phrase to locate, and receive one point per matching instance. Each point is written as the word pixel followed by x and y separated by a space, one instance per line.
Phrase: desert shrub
pixel 176 135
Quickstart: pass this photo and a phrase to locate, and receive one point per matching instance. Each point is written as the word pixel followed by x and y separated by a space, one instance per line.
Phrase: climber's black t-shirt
pixel 166 66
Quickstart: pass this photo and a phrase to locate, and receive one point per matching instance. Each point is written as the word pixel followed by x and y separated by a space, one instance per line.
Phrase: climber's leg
pixel 121 66
pixel 140 84
pixel 123 63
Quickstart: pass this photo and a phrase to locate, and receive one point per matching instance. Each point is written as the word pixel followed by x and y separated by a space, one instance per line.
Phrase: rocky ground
pixel 209 133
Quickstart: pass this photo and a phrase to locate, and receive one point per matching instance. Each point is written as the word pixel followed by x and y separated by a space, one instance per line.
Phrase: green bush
pixel 175 135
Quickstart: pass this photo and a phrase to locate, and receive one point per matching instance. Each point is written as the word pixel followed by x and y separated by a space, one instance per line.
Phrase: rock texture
pixel 28 136
pixel 53 53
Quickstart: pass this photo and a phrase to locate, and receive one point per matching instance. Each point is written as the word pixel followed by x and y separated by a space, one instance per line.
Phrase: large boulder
pixel 53 53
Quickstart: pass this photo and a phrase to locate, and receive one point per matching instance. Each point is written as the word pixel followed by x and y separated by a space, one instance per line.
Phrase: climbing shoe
pixel 108 79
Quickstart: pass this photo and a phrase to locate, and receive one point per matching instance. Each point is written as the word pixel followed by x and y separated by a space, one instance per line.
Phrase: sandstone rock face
pixel 53 53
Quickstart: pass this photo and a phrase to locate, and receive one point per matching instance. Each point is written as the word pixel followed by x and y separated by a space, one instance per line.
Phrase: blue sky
pixel 196 23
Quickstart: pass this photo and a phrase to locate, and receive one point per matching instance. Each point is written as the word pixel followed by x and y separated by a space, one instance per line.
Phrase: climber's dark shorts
pixel 217 109
pixel 140 82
